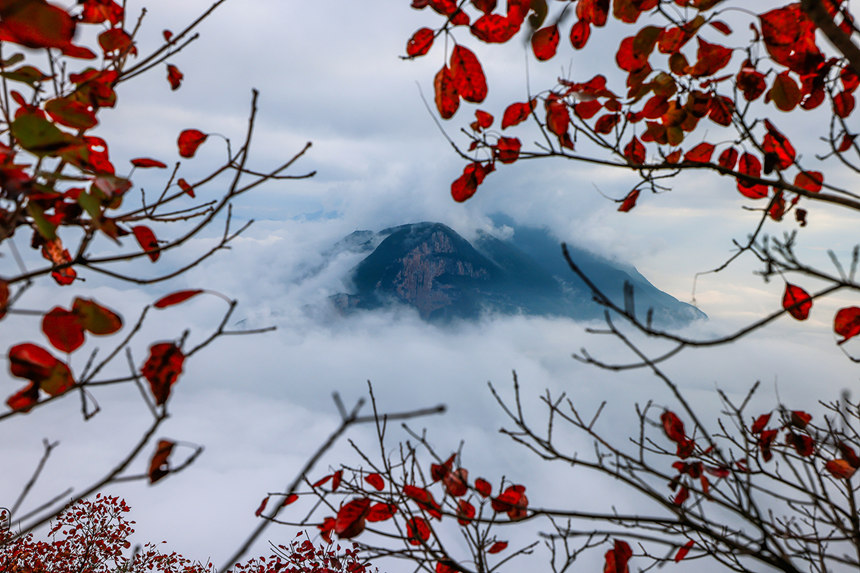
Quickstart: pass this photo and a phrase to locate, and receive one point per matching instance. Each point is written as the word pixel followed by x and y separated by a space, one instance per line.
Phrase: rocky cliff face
pixel 431 268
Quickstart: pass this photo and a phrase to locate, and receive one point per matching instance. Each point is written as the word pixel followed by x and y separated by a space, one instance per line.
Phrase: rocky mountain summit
pixel 433 269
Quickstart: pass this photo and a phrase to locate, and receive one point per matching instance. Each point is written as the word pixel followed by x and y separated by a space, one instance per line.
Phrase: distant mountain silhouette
pixel 431 268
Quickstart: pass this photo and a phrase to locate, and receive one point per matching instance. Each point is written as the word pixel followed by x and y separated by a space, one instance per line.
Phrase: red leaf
pixel 629 201
pixel 63 329
pixel 468 75
pixel 517 113
pixel 606 123
pixel 456 482
pixel 147 241
pixel 420 43
pixel 710 58
pixel 507 149
pixel 720 111
pixel 682 495
pixel 778 146
pixel 627 58
pixel 849 454
pixel 765 441
pixel 809 180
pixel 174 76
pixel 673 426
pixel 162 369
pixel 95 318
pixel 545 42
pixel 800 419
pixel 483 487
pixel 784 92
pixel 494 28
pixel 728 158
pixel 750 165
pixel 498 547
pixel 176 298
pixel 262 507
pixel 760 423
pixel 335 479
pixel 184 185
pixel 796 301
pixel 700 154
pixel 846 143
pixel 617 558
pixel 115 40
pixel 446 96
pixel 189 140
pixel 843 104
pixel 292 498
pixel 725 29
pixel 483 119
pixel 36 364
pixel 351 516
pixel 36 24
pixel 158 465
pixel 4 297
pixel 465 512
pixel 381 512
pixel 417 531
pixel 512 501
pixel 804 444
pixel 579 33
pixel 634 152
pixel 23 400
pixel 439 471
pixel 71 113
pixel 840 468
pixel 424 500
pixel 682 552
pixel 145 162
pixel 593 11
pixel 375 480
pixel 846 323
pixel 473 175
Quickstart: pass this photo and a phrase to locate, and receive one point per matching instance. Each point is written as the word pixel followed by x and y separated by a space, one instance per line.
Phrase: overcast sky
pixel 329 72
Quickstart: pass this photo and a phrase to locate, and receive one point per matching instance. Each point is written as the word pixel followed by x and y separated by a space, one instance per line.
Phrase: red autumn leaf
pixel 420 43
pixel 351 517
pixel 507 149
pixel 145 162
pixel 468 75
pixel 846 142
pixel 494 28
pixel 483 487
pixel 439 471
pixel 606 123
pixel 445 568
pixel 545 42
pixel 517 113
pixel 796 301
pixel 23 400
pixel 36 364
pixel 840 468
pixel 53 251
pixel 803 444
pixel 700 154
pixel 593 11
pixel 750 82
pixel 710 58
pixel 629 201
pixel 483 119
pixel 673 426
pixel 63 329
pixel 849 454
pixel 789 37
pixel 115 40
pixel 784 92
pixel 627 57
pixel 682 495
pixel 674 157
pixel 326 527
pixel 778 145
pixel 720 111
pixel 262 507
pixel 634 151
pixel 809 180
pixel 682 552
pixel 751 166
pixel 765 441
pixel 335 479
pixel 846 323
pixel 456 482
pixel 71 113
pixel 465 512
pixel 843 104
pixel 721 26
pixel 473 175
pixel 174 76
pixel 162 368
pixel 381 512
pixel 587 109
pixel 579 33
pixel 189 140
pixel 424 500
pixel 185 186
pixel 446 96
pixel 417 531
pixel 159 465
pixel 485 6
pixel 498 547
pixel 4 297
pixel 512 501
pixel 800 419
pixel 147 241
pixel 375 480
pixel 176 298
pixel 617 558
pixel 95 318
pixel 760 423
pixel 292 498
pixel 728 158
pixel 36 24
